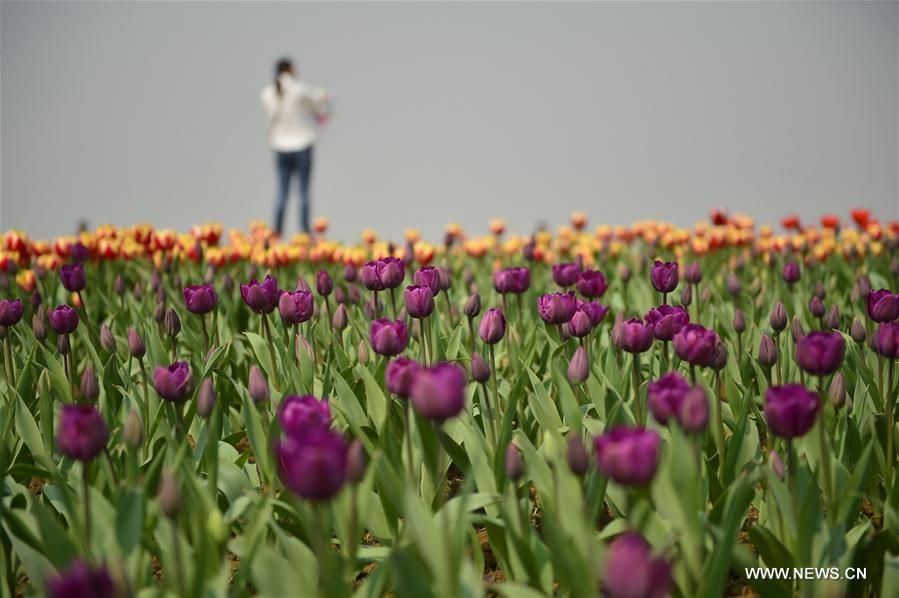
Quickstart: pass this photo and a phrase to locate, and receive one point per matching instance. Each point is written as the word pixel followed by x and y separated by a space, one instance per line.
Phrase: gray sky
pixel 127 112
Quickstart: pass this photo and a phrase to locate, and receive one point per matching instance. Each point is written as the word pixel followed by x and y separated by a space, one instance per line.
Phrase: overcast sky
pixel 130 112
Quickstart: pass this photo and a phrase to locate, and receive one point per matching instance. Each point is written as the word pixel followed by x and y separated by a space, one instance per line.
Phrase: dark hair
pixel 284 65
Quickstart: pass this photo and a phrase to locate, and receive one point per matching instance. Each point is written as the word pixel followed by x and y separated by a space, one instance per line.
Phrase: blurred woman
pixel 295 111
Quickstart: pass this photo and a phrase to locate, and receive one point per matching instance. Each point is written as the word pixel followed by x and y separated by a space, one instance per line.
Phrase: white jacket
pixel 293 115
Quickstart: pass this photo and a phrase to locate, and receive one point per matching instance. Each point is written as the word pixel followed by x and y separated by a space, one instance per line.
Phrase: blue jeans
pixel 288 164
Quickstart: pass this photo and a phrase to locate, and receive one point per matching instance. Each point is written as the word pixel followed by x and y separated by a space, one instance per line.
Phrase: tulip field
pixel 628 411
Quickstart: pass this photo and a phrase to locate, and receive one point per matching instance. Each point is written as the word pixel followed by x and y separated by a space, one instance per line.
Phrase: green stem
pixel 271 349
pixel 179 564
pixel 493 375
pixel 891 447
pixel 635 379
pixel 407 421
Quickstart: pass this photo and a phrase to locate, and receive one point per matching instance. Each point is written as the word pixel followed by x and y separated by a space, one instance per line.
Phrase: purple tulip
pixel 580 324
pixel 883 306
pixel 73 277
pixel 664 276
pixel 314 466
pixel 173 383
pixel 633 335
pixel 438 393
pixel 820 353
pixel 578 460
pixel 64 319
pixel 512 280
pixel 391 271
pixel 136 345
pixel 10 312
pixel 81 580
pixel 513 463
pixel 596 310
pixel 578 367
pixel 350 272
pixel 816 306
pixel 400 373
pixel 82 433
pixel 472 306
pixel 591 283
pixel 200 298
pixel 323 283
pixel 257 386
pixel 791 272
pixel 693 273
pixel 778 318
pixel 419 300
pixel 693 413
pixel 296 307
pixel 428 276
pixel 632 572
pixel 886 340
pixel 262 297
pixel 493 326
pixel 388 337
pixel 767 354
pixel 297 415
pixel 666 395
pixel 667 320
pixel 480 371
pixel 791 410
pixel 696 344
pixel 556 308
pixel 370 277
pixel 566 274
pixel 628 456
pixel 444 278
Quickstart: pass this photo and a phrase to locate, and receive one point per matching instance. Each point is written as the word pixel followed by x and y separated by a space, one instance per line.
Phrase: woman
pixel 294 110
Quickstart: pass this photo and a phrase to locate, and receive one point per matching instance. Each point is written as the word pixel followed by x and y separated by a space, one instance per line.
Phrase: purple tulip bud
pixel 628 456
pixel 778 317
pixel 767 354
pixel 82 433
pixel 107 339
pixel 10 312
pixel 480 371
pixel 864 284
pixel 591 283
pixel 262 297
pixel 791 272
pixel 62 344
pixel 857 331
pixel 36 299
pixel 155 281
pixel 832 320
pixel 339 321
pixel 444 278
pixel 295 307
pixel 72 277
pixel 686 296
pixel 837 391
pixel 580 324
pixel 493 326
pixel 777 466
pixel 514 465
pixel 172 323
pixel 578 461
pixel 693 413
pixel 136 345
pixel 512 280
pixel 734 287
pixel 696 344
pixel 314 466
pixel 667 320
pixel 258 386
pixel 472 306
pixel 90 387
pixel 388 338
pixel 64 319
pixel 80 579
pixel 428 276
pixel 664 276
pixel 159 312
pixel 323 283
pixel 355 462
pixel 362 353
pixel 419 300
pixel 816 306
pixel 438 393
pixel 624 273
pixel 886 340
pixel 693 273
pixel 796 329
pixel 170 497
pixel 133 431
pixel 739 321
pixel 556 308
pixel 883 306
pixel 719 358
pixel 565 275
pixel 298 415
pixel 174 382
pixel 634 336
pixel 578 368
pixel 39 327
pixel 400 373
pixel 631 571
pixel 791 410
pixel 200 298
pixel 820 353
pixel 206 398
pixel 665 395
pixel 350 272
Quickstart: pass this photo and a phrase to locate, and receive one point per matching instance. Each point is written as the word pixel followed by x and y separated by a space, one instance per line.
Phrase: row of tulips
pixel 522 428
